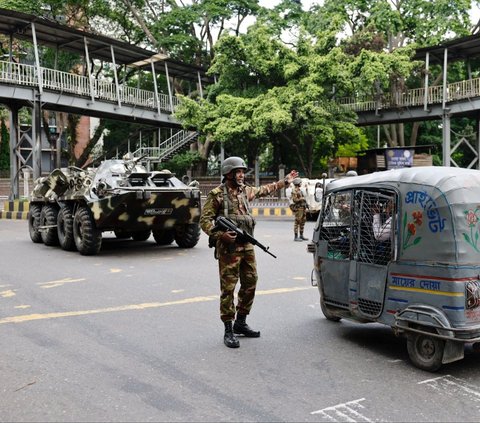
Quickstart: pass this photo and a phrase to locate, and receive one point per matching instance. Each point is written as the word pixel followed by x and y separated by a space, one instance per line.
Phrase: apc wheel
pixel 163 236
pixel 141 235
pixel 327 313
pixel 425 351
pixel 65 229
pixel 34 222
pixel 187 236
pixel 48 217
pixel 88 239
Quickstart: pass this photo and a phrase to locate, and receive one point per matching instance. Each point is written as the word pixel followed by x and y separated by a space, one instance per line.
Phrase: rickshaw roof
pixel 445 179
pixel 445 201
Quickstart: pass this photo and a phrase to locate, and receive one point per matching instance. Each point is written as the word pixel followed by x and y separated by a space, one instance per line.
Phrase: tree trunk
pixel 401 134
pixel 203 149
pixel 85 156
pixel 414 134
pixel 299 153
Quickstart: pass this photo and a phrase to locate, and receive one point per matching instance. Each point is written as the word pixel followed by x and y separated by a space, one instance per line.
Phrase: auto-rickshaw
pixel 402 248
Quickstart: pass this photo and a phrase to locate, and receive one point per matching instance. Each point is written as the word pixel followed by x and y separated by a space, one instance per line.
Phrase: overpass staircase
pixel 178 142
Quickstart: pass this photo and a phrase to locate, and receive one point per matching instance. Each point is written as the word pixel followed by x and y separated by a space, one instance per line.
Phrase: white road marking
pixel 345 412
pixel 453 386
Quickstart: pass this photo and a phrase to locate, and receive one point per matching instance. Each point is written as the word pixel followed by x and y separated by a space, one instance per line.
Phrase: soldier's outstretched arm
pixel 264 190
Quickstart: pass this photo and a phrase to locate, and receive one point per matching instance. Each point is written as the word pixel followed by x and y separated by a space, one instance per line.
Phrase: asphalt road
pixel 133 334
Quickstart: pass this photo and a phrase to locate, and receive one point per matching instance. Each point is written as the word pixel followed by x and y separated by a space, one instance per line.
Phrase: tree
pixel 4 146
pixel 268 93
pixel 380 36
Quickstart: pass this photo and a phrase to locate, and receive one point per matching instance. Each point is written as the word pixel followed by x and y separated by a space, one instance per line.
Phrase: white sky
pixel 474 13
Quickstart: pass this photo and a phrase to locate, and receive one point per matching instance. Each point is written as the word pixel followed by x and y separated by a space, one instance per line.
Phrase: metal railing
pixel 65 82
pixel 414 97
pixel 104 89
pixel 167 147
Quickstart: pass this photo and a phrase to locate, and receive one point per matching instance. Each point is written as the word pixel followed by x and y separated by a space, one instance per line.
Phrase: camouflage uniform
pixel 235 261
pixel 300 206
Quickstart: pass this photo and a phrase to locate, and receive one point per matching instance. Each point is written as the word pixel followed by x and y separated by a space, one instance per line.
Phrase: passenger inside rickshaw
pixel 360 227
pixel 382 231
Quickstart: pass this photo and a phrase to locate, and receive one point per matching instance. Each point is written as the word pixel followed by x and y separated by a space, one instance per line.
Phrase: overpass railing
pixel 104 89
pixel 414 97
pixel 71 83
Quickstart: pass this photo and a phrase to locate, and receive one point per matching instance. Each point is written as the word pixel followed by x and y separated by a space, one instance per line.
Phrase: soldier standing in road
pixel 300 208
pixel 235 260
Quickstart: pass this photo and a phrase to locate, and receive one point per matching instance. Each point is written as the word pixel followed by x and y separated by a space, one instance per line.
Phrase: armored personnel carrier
pixel 71 207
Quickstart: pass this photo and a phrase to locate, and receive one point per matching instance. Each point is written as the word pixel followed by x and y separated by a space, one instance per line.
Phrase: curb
pixel 18 209
pixel 271 212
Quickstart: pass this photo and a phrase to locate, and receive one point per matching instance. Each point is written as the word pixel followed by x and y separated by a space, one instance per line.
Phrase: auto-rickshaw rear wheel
pixel 327 313
pixel 425 351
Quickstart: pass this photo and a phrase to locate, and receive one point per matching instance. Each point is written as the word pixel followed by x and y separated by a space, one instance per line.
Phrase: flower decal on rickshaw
pixel 471 217
pixel 410 229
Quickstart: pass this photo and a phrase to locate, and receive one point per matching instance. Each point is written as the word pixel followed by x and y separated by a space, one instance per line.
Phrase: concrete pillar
pixel 281 176
pixel 37 138
pixel 26 178
pixel 14 142
pixel 446 139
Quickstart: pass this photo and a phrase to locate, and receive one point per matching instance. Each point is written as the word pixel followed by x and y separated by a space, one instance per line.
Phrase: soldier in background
pixel 235 260
pixel 300 210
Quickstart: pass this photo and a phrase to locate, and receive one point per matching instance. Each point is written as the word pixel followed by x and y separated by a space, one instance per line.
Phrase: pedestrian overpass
pixel 90 93
pixel 86 91
pixel 442 102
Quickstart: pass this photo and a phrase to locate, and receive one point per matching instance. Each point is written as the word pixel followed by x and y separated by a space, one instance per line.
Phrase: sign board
pixel 397 158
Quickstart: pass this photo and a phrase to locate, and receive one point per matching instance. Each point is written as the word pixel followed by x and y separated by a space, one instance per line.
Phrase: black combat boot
pixel 229 339
pixel 297 238
pixel 240 327
pixel 302 238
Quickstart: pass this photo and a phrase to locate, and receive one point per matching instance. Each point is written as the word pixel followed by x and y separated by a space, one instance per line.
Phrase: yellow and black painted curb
pixel 271 212
pixel 16 209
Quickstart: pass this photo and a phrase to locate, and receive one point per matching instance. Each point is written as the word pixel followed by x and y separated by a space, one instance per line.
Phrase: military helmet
pixel 351 173
pixel 233 163
pixel 297 181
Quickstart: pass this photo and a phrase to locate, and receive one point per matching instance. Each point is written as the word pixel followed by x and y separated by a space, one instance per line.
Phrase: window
pixel 373 220
pixel 336 225
pixel 358 225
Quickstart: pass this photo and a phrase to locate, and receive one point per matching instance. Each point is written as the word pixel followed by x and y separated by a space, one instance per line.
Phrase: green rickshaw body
pixel 421 275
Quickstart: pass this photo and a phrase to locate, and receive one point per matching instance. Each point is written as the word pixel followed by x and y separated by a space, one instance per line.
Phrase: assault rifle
pixel 226 224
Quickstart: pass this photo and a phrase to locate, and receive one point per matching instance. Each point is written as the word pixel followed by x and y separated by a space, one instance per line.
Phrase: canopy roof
pixel 458 49
pixel 445 179
pixel 63 37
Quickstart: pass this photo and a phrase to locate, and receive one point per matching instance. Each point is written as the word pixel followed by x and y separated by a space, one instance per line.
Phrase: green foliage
pixel 180 163
pixel 120 135
pixel 269 94
pixel 278 81
pixel 4 146
pixel 26 6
